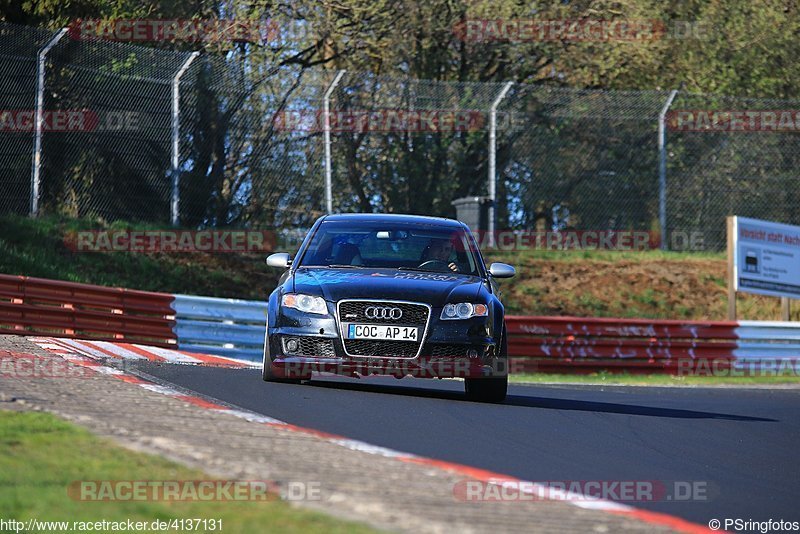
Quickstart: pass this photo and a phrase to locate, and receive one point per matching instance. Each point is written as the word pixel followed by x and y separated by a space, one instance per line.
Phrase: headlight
pixel 464 310
pixel 305 303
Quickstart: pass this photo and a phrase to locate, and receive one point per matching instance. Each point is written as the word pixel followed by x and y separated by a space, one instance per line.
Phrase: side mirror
pixel 280 260
pixel 501 270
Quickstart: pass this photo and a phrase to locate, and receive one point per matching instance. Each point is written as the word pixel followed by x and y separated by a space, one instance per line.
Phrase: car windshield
pixel 412 247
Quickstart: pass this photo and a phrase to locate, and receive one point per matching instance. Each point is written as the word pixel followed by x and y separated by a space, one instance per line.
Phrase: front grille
pixel 353 312
pixel 445 349
pixel 383 349
pixel 313 347
pixel 413 315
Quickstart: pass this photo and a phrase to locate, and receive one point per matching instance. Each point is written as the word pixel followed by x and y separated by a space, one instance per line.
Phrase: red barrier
pixel 577 344
pixel 35 306
pixel 38 306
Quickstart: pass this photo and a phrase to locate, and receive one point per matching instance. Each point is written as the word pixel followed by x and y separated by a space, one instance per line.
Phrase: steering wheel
pixel 434 265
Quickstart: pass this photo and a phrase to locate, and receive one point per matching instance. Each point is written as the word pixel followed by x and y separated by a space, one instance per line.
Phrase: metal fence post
pixel 176 138
pixel 493 160
pixel 662 168
pixel 326 110
pixel 37 144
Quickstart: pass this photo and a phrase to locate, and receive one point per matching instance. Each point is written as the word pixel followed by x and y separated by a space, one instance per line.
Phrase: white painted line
pixel 161 389
pixel 255 417
pixel 116 349
pixel 61 347
pixel 172 356
pixel 355 445
pixel 52 347
pixel 244 363
pixel 83 348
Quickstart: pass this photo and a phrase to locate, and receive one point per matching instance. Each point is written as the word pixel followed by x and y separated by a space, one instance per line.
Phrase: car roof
pixel 392 218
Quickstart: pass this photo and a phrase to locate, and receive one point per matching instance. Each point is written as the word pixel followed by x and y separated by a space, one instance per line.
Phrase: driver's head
pixel 440 249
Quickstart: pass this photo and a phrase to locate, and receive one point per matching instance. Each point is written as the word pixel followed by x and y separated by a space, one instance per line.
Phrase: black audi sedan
pixel 379 294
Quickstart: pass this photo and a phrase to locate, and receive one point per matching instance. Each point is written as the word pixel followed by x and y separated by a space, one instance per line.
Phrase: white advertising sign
pixel 766 257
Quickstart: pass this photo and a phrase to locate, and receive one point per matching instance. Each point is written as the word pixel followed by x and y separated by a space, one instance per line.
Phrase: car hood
pixel 435 289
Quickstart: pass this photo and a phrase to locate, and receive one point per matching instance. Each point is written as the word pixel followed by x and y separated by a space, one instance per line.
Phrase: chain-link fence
pixel 747 173
pixel 19 47
pixel 580 159
pixel 230 140
pixel 141 134
pixel 590 160
pixel 241 165
pixel 114 167
pixel 408 145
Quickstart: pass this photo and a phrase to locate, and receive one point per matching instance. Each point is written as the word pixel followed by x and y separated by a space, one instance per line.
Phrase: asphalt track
pixel 741 445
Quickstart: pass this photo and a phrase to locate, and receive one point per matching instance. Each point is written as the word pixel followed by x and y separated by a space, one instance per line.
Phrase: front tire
pixel 268 373
pixel 486 389
pixel 269 376
pixel 492 389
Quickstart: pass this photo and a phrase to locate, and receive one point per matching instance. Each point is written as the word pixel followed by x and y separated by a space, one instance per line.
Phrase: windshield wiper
pixel 345 266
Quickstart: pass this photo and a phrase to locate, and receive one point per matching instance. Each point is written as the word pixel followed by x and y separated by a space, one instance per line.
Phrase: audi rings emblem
pixel 383 312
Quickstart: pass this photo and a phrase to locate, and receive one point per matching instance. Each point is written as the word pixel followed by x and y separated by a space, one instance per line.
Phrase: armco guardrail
pixel 67 309
pixel 227 327
pixel 37 306
pixel 236 328
pixel 574 344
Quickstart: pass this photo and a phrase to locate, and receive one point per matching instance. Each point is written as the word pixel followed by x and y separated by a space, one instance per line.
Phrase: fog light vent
pixel 292 345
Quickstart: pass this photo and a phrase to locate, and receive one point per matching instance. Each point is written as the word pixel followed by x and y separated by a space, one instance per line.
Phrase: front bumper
pixel 451 349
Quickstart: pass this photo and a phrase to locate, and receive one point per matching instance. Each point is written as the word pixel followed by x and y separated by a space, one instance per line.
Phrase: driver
pixel 440 250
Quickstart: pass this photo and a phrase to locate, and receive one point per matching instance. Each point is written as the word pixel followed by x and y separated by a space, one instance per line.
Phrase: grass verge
pixel 37 247
pixel 40 455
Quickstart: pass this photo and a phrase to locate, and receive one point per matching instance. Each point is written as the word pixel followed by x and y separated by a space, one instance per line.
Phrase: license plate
pixel 382 331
